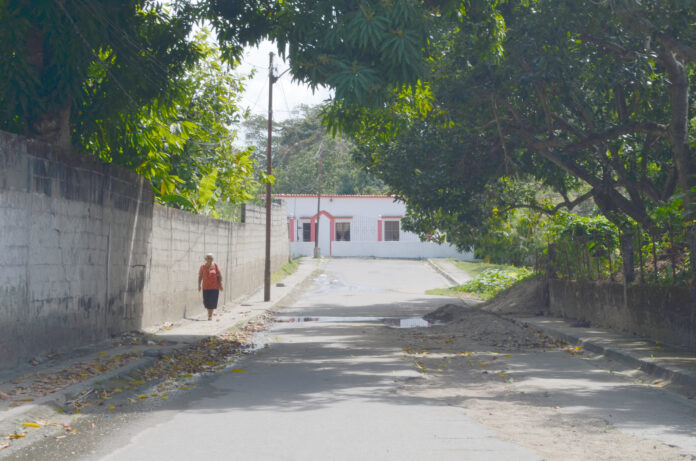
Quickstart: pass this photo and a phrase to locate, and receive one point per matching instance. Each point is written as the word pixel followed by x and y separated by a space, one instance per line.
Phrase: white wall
pixel 365 212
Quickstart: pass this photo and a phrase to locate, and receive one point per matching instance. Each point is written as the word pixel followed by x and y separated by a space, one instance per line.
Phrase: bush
pixel 492 281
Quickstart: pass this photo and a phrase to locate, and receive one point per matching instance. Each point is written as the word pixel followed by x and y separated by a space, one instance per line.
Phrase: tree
pixel 185 144
pixel 297 144
pixel 594 100
pixel 65 63
pixel 361 49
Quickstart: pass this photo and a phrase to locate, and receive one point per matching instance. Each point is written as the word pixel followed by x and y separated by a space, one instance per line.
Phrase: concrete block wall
pixel 180 241
pixel 74 237
pixel 85 253
pixel 660 313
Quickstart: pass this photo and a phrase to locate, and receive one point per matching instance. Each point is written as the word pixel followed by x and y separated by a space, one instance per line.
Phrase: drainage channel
pixel 392 322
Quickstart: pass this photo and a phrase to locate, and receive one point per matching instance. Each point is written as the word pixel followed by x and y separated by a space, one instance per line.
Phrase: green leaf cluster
pixel 492 281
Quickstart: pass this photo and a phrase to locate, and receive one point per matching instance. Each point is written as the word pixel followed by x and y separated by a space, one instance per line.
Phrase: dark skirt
pixel 210 298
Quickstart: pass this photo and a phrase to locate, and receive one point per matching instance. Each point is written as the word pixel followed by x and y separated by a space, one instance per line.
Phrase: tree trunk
pixel 51 126
pixel 640 255
pixel 626 241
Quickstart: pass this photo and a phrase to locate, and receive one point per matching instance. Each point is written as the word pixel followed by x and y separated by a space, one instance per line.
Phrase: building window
pixel 343 232
pixel 391 231
pixel 306 231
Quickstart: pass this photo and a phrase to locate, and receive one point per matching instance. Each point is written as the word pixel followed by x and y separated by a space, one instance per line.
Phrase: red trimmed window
pixel 306 231
pixel 343 232
pixel 391 231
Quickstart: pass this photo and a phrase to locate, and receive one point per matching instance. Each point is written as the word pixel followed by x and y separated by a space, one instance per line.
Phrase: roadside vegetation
pixel 567 148
pixel 489 280
pixel 285 270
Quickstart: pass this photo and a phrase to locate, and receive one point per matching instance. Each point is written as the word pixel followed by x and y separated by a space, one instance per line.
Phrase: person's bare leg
pixel 210 314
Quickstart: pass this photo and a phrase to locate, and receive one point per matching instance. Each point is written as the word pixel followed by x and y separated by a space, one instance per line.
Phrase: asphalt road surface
pixel 334 383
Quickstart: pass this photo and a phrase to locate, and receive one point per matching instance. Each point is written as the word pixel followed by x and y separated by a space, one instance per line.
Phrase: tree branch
pixel 569 204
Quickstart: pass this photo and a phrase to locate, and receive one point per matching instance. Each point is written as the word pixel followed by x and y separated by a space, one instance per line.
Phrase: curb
pixel 48 405
pixel 678 377
pixel 442 272
pixel 684 382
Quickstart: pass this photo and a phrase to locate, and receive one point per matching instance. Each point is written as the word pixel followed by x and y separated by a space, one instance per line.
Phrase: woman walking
pixel 210 279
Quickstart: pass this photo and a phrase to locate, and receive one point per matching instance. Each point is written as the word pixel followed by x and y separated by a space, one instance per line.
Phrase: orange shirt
pixel 209 276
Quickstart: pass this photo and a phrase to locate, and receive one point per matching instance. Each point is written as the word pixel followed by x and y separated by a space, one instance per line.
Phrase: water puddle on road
pixel 392 322
pixel 331 283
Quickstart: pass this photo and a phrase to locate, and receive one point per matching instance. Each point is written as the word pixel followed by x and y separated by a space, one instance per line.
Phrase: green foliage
pixel 185 144
pixel 298 142
pixel 518 237
pixel 362 49
pixel 575 98
pixel 66 63
pixel 490 282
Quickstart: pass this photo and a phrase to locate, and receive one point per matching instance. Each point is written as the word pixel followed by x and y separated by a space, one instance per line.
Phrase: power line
pixel 258 97
pixel 285 98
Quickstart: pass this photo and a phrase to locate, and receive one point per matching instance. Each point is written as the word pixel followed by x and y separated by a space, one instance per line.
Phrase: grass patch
pixel 285 270
pixel 488 281
pixel 452 292
pixel 476 268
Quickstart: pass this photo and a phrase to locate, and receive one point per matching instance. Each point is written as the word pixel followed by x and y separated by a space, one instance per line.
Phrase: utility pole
pixel 317 250
pixel 269 171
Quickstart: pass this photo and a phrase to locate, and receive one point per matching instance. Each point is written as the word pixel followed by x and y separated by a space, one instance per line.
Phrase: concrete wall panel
pixel 660 313
pixel 85 253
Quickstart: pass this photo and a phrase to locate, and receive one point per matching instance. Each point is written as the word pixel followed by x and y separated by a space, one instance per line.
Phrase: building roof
pixel 332 196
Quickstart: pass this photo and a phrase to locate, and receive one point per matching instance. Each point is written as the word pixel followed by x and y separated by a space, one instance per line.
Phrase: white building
pixel 357 225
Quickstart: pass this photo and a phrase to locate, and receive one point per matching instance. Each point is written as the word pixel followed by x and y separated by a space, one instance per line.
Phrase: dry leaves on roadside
pixel 42 383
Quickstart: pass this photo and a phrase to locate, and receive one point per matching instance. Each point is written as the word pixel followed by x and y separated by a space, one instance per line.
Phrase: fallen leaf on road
pixel 16 436
pixel 4 445
pixel 25 424
pixel 238 370
pixel 111 407
pixel 4 396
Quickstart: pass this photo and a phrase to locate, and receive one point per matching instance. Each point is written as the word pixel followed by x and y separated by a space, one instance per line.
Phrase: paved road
pixel 330 387
pixel 324 391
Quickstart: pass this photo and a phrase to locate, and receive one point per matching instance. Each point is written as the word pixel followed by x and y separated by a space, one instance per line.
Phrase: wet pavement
pixel 394 322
